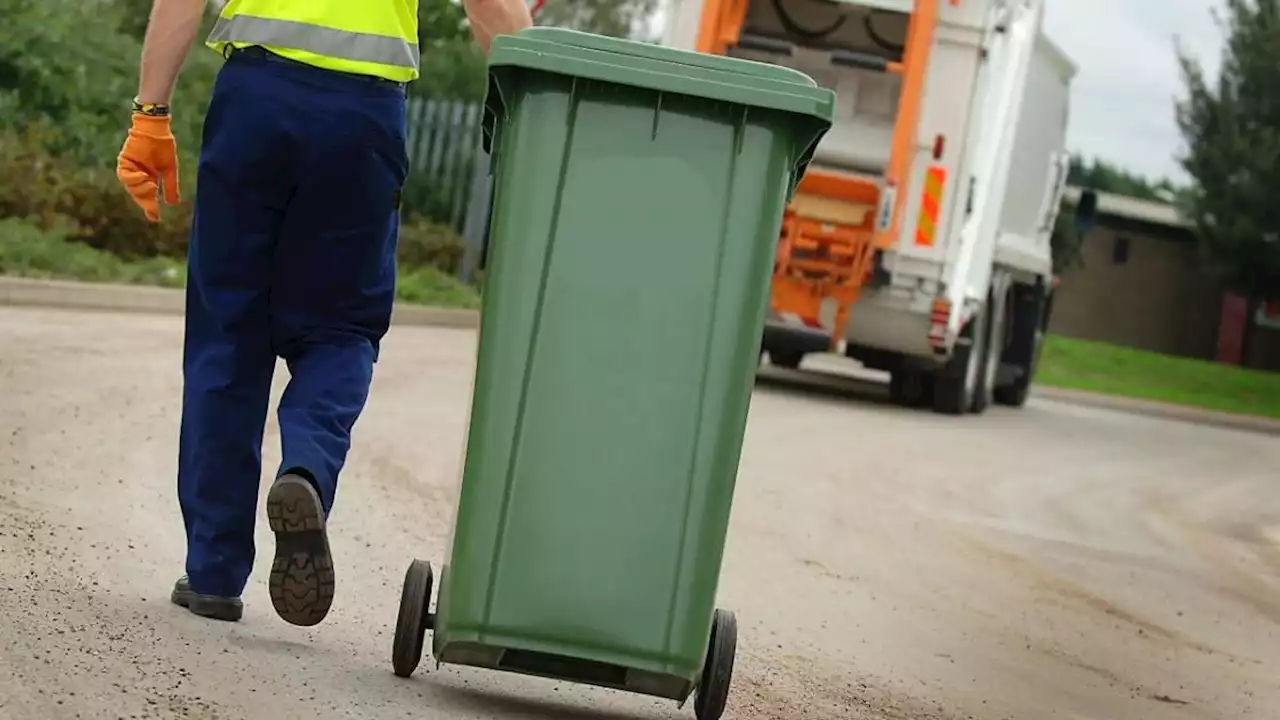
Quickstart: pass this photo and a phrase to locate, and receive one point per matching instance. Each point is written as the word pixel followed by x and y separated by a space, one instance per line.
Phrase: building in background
pixel 1141 284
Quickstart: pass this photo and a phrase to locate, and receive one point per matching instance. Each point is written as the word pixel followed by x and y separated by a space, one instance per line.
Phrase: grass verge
pixel 1113 370
pixel 27 251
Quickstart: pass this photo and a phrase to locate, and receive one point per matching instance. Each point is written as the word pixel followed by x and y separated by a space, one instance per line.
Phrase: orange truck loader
pixel 918 242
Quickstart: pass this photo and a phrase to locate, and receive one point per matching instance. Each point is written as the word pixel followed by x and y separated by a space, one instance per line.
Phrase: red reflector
pixel 939 145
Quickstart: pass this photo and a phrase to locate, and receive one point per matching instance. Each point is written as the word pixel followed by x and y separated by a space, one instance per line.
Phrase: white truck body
pixel 992 116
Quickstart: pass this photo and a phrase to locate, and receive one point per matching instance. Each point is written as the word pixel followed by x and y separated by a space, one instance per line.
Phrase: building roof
pixel 1156 213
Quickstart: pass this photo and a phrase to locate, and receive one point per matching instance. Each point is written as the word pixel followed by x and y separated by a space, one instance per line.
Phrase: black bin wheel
pixel 414 620
pixel 717 673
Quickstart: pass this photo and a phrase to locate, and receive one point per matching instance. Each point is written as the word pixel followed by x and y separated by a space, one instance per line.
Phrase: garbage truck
pixel 919 241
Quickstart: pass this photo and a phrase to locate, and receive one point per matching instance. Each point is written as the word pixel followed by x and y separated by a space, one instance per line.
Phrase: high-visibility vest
pixel 368 37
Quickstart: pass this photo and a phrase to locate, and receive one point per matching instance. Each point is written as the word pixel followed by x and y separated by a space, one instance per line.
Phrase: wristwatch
pixel 152 109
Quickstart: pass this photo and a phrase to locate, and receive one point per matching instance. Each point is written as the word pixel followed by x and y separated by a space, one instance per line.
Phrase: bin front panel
pixel 632 245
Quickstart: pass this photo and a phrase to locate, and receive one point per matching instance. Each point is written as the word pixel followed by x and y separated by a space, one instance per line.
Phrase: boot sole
pixel 302 581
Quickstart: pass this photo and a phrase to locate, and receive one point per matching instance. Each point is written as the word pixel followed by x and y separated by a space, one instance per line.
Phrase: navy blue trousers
pixel 292 256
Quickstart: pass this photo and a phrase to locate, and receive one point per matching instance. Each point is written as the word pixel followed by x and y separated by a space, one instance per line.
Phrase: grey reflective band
pixel 342 44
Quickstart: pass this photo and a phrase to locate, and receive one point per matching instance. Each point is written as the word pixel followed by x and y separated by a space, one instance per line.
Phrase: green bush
pixel 429 286
pixel 52 192
pixel 49 189
pixel 28 250
pixel 427 244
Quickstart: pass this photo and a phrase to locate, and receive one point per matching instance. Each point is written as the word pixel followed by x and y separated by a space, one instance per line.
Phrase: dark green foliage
pixel 1100 175
pixel 452 69
pixel 134 15
pixel 453 66
pixel 1231 126
pixel 35 183
pixel 88 205
pixel 423 243
pixel 69 66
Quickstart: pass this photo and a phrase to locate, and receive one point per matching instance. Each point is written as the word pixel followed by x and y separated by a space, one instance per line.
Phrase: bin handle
pixel 495 111
pixel 811 137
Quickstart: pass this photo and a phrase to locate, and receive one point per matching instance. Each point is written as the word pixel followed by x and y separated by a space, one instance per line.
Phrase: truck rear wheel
pixel 956 385
pixel 1016 393
pixel 785 358
pixel 911 388
pixel 1030 319
pixel 989 360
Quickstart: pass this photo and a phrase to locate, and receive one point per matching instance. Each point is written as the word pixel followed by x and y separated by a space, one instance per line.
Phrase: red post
pixel 1231 329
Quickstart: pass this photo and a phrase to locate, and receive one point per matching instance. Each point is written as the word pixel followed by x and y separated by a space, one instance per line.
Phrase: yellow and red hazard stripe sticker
pixel 927 226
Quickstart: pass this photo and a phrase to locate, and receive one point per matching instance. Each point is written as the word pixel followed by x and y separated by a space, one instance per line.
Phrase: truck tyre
pixel 789 359
pixel 992 348
pixel 956 385
pixel 1016 393
pixel 911 388
pixel 1030 319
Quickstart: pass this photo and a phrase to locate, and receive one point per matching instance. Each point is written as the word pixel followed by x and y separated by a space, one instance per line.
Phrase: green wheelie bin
pixel 639 192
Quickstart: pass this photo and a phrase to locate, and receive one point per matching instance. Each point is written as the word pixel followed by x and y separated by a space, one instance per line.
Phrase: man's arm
pixel 170 34
pixel 490 18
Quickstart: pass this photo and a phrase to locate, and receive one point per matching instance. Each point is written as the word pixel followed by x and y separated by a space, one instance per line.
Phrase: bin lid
pixel 656 67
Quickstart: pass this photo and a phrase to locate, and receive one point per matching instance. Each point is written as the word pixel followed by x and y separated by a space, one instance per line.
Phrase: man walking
pixel 292 255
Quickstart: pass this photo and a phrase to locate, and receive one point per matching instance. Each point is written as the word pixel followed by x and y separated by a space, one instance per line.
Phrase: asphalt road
pixel 1055 562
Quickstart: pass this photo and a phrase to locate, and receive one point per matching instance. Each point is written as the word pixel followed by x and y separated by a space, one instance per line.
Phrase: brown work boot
pixel 301 581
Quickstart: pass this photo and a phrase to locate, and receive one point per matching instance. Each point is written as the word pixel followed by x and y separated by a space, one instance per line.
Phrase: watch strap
pixel 152 109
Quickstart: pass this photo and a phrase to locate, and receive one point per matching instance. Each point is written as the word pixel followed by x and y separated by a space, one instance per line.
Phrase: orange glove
pixel 149 161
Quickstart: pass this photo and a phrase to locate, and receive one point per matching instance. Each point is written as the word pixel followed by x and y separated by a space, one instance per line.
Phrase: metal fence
pixel 449 171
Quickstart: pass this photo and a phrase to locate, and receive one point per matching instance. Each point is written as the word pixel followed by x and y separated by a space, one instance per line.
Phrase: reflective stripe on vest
pixel 343 44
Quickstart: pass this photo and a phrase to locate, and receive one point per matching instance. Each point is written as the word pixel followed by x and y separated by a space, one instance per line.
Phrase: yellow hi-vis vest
pixel 367 37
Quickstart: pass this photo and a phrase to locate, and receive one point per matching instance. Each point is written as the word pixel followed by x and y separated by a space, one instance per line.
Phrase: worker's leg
pixel 335 281
pixel 243 178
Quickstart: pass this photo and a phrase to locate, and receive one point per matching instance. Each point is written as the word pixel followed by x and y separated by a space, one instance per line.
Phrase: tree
pixel 77 83
pixel 134 15
pixel 453 66
pixel 1102 176
pixel 453 70
pixel 441 20
pixel 1231 127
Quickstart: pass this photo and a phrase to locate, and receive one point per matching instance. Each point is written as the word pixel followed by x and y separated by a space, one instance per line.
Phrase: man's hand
pixel 149 159
pixel 148 162
pixel 490 18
